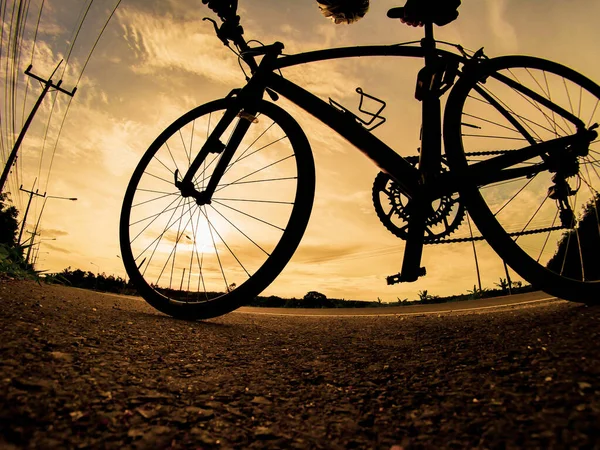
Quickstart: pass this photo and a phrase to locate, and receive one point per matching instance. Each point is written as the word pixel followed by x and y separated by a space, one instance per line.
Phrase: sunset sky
pixel 157 59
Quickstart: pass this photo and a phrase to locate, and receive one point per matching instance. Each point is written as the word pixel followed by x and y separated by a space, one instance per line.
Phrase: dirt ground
pixel 86 370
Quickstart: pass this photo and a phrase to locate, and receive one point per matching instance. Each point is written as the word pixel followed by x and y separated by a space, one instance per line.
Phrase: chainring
pixel 393 209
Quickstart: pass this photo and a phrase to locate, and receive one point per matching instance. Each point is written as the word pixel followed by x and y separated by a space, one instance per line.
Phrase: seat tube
pixel 431 131
pixel 429 165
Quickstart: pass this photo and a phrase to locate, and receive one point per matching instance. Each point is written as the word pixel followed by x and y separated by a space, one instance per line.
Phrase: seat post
pixel 428 42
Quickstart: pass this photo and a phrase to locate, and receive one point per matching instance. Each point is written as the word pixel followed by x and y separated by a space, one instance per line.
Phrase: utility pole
pixel 31 244
pixel 475 254
pixel 31 194
pixel 508 280
pixel 48 84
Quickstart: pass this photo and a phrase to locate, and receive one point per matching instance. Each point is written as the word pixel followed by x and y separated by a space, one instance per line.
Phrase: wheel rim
pixel 189 254
pixel 524 205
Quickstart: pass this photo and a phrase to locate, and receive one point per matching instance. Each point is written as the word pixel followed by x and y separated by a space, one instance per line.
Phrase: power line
pixel 77 84
pixel 47 130
pixel 15 18
pixel 76 35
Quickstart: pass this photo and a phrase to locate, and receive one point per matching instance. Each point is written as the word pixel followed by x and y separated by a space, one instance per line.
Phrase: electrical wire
pixel 75 36
pixel 15 17
pixel 76 85
pixel 18 162
pixel 73 40
pixel 9 88
pixel 21 23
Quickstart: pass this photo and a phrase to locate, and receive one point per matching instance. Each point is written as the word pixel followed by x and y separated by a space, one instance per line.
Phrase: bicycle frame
pixel 410 179
pixel 420 184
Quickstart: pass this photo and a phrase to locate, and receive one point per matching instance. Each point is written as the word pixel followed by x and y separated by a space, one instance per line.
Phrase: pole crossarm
pixel 49 81
pixel 48 84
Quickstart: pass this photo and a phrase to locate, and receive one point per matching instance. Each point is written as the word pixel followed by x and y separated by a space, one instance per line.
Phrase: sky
pixel 157 59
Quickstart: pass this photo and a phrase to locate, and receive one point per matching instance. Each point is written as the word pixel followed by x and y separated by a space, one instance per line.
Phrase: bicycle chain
pixel 481 238
pixel 414 160
pixel 491 152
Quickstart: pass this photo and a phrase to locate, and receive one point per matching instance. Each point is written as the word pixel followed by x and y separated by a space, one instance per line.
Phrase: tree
pixel 8 222
pixel 503 285
pixel 273 301
pixel 478 293
pixel 314 299
pixel 425 297
pixel 12 262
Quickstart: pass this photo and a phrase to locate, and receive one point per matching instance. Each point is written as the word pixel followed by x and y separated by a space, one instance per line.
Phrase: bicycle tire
pixel 474 129
pixel 271 175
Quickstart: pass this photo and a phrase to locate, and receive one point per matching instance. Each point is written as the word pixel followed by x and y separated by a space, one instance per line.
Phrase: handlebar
pixel 230 29
pixel 225 9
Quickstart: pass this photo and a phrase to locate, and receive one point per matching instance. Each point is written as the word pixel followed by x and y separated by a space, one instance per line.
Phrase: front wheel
pixel 197 261
pixel 540 214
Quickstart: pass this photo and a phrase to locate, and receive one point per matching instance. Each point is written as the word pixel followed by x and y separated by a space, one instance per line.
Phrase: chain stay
pixel 481 238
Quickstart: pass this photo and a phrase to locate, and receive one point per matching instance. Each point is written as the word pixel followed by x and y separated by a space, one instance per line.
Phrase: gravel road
pixel 85 370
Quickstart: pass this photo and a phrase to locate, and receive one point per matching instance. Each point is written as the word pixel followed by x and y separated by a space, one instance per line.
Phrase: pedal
pixel 398 278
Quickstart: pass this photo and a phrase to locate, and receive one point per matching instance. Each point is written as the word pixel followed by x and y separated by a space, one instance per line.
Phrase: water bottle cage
pixel 375 118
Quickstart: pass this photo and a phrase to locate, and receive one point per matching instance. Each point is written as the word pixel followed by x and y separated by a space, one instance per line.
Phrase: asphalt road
pixel 468 306
pixel 86 370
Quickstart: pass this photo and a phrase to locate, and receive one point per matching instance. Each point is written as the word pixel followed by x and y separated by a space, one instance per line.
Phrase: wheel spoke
pixel 223 186
pixel 515 195
pixel 210 228
pixel 545 222
pixel 244 234
pixel 272 202
pixel 190 258
pixel 249 215
pixel 154 199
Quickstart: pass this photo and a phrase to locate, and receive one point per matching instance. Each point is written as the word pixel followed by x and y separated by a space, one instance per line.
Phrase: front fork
pixel 214 145
pixel 245 108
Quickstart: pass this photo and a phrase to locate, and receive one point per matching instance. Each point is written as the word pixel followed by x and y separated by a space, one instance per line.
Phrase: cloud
pixel 310 254
pixel 52 233
pixel 56 248
pixel 164 42
pixel 504 32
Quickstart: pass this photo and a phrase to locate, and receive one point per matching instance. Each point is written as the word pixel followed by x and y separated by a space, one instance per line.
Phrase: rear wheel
pixel 199 261
pixel 543 220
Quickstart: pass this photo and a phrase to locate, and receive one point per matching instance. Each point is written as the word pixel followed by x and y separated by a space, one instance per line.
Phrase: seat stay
pixel 526 92
pixel 508 115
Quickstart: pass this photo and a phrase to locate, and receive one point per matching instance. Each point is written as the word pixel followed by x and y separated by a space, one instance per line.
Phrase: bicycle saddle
pixel 420 12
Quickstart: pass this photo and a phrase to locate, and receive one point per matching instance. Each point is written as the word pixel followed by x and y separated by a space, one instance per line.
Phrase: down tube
pixel 383 156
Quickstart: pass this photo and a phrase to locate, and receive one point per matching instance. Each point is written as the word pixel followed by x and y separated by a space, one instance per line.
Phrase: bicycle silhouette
pixel 221 199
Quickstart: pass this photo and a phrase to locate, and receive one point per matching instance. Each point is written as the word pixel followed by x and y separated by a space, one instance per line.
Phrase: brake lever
pixel 217 30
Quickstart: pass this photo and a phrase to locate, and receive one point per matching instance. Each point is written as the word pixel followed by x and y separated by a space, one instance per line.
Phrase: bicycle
pixel 219 202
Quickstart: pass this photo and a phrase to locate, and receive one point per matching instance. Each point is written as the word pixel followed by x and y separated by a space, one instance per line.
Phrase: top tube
pixel 352 52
